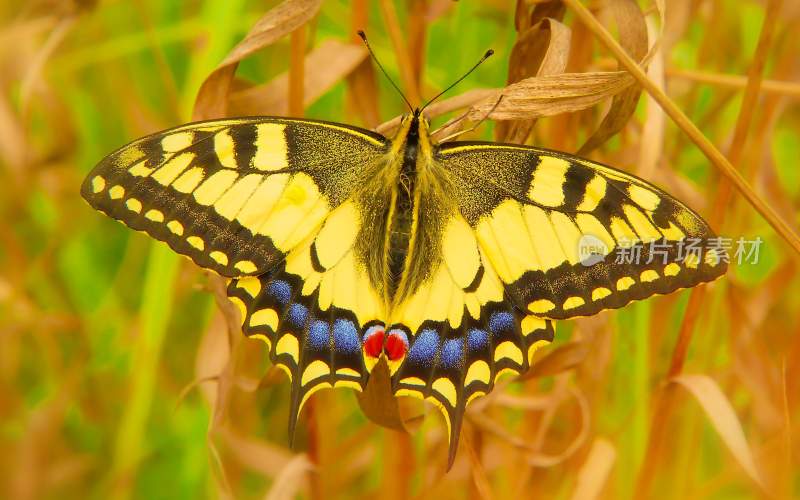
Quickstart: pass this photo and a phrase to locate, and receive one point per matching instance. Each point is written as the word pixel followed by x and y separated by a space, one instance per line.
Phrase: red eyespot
pixel 373 342
pixel 396 345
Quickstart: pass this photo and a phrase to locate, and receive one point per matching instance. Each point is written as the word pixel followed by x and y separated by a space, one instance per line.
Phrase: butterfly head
pixel 377 343
pixel 415 124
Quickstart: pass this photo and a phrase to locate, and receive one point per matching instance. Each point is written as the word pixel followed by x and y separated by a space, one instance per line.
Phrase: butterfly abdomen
pixel 401 223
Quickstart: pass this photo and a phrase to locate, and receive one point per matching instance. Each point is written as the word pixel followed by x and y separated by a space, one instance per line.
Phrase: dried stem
pixel 297 71
pixel 667 397
pixel 407 75
pixel 786 89
pixel 723 80
pixel 683 121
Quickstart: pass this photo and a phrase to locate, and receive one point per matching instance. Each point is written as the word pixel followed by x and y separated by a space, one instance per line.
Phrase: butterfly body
pixel 344 247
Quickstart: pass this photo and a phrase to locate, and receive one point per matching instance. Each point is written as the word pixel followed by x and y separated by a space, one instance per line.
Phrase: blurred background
pixel 120 377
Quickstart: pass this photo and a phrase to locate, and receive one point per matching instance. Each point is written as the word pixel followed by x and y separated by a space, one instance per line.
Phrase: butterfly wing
pixel 510 222
pixel 464 330
pixel 236 196
pixel 461 327
pixel 270 203
pixel 532 210
pixel 313 309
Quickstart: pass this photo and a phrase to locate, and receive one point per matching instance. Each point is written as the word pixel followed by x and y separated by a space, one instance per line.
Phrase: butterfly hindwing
pixel 313 310
pixel 533 210
pixel 234 195
pixel 463 329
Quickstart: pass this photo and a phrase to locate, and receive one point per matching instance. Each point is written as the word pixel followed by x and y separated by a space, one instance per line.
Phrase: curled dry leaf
pixel 535 456
pixel 218 472
pixel 211 361
pixel 409 79
pixel 554 9
pixel 562 358
pixel 226 379
pixel 14 146
pixel 540 459
pixel 437 9
pixel 541 50
pixel 290 479
pixel 552 95
pixel 526 402
pixel 723 418
pixel 377 401
pixel 633 37
pixel 594 472
pixel 33 72
pixel 477 471
pixel 542 96
pixel 652 142
pixel 327 64
pixel 439 108
pixel 256 454
pixel 212 98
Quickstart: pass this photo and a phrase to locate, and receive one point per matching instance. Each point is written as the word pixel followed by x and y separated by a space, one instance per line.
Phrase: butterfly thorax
pixel 402 209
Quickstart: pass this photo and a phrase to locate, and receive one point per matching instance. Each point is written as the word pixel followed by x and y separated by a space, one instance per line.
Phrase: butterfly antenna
pixel 485 57
pixel 375 58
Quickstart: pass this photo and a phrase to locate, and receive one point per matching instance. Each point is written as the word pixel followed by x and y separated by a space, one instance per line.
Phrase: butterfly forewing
pixel 234 195
pixel 267 201
pixel 534 211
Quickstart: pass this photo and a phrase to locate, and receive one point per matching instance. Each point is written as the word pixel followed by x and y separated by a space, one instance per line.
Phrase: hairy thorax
pixel 401 231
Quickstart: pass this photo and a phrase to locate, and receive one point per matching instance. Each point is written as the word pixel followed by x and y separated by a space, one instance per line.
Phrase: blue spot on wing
pixel 501 322
pixel 423 350
pixel 297 315
pixel 345 336
pixel 280 291
pixel 452 353
pixel 477 340
pixel 319 335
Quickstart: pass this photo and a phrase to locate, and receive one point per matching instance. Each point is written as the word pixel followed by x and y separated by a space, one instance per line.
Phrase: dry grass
pixel 123 371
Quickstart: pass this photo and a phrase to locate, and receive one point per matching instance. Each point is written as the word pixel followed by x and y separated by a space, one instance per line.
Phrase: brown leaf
pixel 478 472
pixel 377 401
pixel 633 37
pixel 33 73
pixel 226 374
pixel 410 80
pixel 534 455
pixel 652 143
pixel 291 478
pixel 541 96
pixel 362 84
pixel 212 98
pixel 331 61
pixel 552 95
pixel 561 359
pixel 464 100
pixel 212 358
pixel 256 454
pixel 540 459
pixel 537 402
pixel 362 93
pixel 723 418
pixel 595 470
pixel 541 50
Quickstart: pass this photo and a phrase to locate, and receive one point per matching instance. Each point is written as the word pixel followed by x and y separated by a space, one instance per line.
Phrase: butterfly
pixel 447 262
